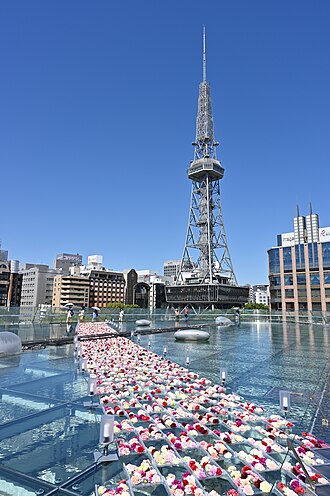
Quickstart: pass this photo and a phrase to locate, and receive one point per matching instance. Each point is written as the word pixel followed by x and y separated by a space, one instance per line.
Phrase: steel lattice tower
pixel 206 231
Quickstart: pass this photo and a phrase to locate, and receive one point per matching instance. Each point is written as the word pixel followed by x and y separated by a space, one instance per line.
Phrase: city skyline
pixel 98 115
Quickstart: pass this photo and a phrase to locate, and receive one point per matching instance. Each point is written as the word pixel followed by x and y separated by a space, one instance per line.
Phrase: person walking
pixel 177 314
pixel 69 316
pixel 186 313
pixel 95 314
pixel 82 315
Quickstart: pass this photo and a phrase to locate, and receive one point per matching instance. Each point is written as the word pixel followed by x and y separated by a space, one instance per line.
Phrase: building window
pixel 326 255
pixel 327 278
pixel 300 257
pixel 274 261
pixel 275 281
pixel 301 279
pixel 315 279
pixel 313 256
pixel 302 294
pixel 288 280
pixel 289 293
pixel 287 258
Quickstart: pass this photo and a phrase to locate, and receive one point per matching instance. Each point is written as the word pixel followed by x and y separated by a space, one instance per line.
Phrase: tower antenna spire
pixel 204 53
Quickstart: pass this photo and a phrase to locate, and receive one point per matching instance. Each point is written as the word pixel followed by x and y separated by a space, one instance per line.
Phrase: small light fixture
pixel 92 391
pixel 223 376
pixel 285 402
pixel 106 437
pixel 165 351
pixel 132 334
pixel 187 361
pixel 138 338
pixel 83 365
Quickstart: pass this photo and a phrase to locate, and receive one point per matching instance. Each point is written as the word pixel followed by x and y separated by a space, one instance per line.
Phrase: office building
pixel 64 261
pixel 299 267
pixel 106 287
pixel 130 277
pixel 10 281
pixel 37 284
pixel 3 255
pixel 171 268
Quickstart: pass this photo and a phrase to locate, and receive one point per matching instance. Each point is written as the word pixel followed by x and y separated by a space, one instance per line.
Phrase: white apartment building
pixel 259 294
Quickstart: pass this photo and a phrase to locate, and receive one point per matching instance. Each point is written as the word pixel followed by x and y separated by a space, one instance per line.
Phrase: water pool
pixel 48 437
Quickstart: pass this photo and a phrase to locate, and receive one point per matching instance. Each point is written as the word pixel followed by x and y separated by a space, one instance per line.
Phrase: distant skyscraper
pixel 10 281
pixel 37 285
pixel 171 268
pixel 65 260
pixel 206 275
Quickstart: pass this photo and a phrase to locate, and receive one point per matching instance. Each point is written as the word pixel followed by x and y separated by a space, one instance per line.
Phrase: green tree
pixel 119 304
pixel 256 306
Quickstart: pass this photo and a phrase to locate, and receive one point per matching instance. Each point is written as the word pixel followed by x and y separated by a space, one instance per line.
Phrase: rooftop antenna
pixel 204 54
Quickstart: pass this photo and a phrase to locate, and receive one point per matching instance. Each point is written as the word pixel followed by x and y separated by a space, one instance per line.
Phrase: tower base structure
pixel 207 295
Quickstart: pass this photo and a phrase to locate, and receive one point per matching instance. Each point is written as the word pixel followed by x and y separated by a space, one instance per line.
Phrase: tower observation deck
pixel 206 276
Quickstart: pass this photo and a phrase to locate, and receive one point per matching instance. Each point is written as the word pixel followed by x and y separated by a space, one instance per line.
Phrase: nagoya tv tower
pixel 206 276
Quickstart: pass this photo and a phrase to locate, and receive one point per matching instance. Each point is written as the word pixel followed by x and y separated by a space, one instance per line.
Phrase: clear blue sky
pixel 98 103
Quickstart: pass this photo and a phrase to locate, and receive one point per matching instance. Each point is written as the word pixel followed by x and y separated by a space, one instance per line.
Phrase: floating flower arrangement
pixel 154 400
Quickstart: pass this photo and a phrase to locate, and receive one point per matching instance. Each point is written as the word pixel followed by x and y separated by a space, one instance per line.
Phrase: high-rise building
pixel 3 255
pixel 37 285
pixel 71 289
pixel 106 287
pixel 171 268
pixel 206 276
pixel 130 277
pixel 64 261
pixel 10 281
pixel 299 267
